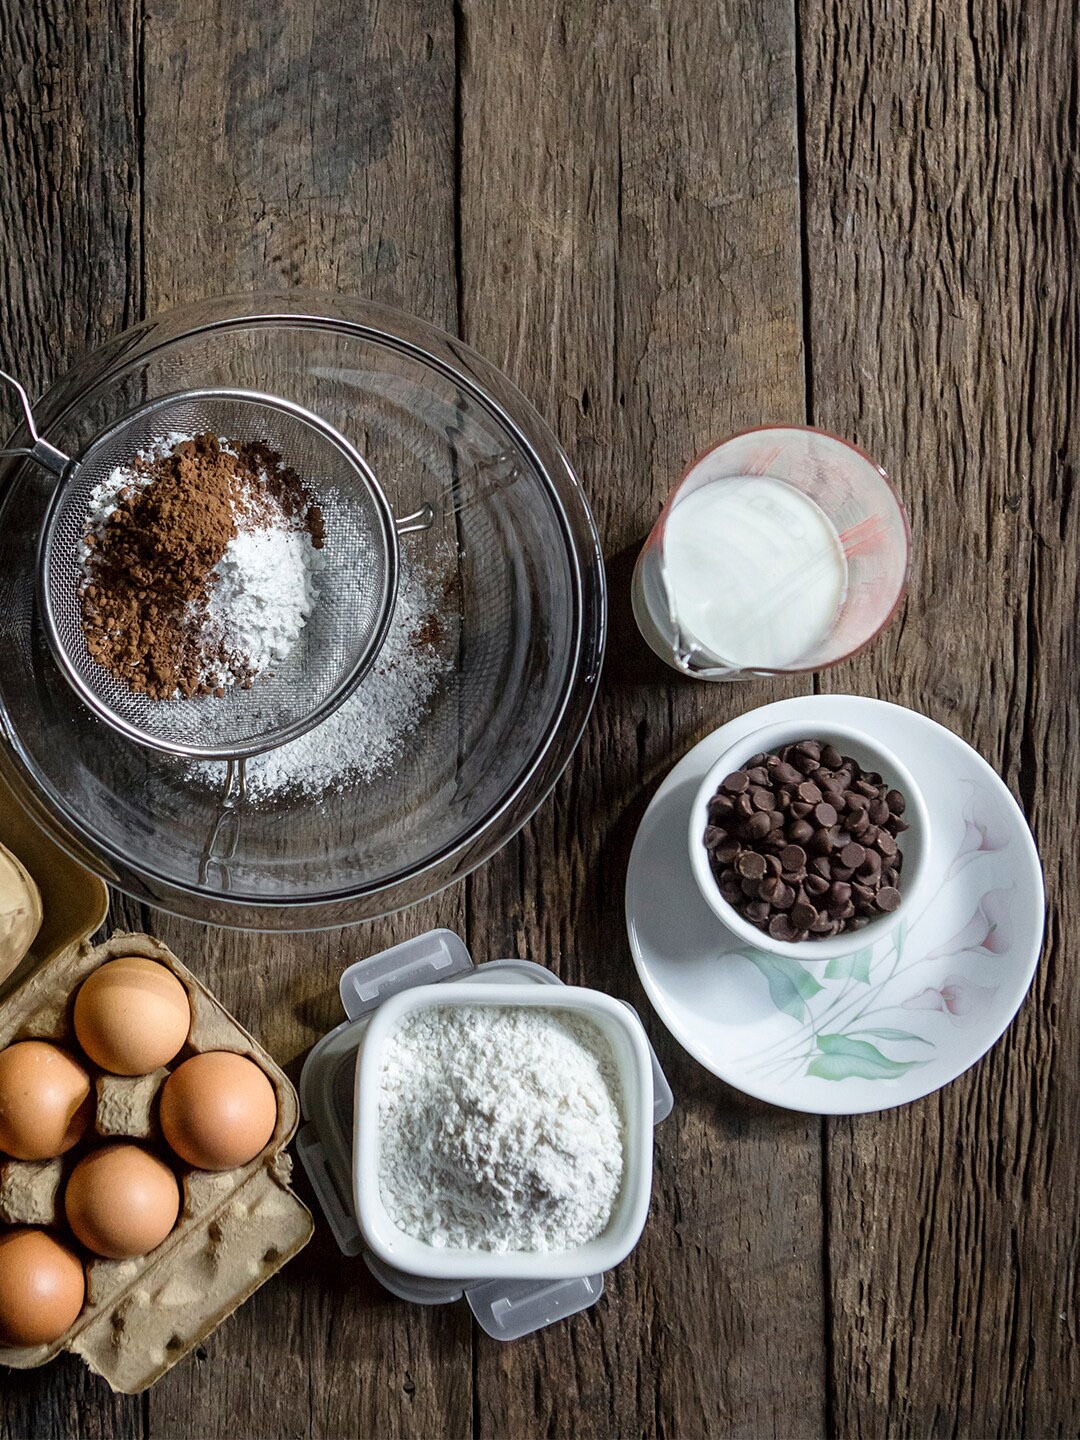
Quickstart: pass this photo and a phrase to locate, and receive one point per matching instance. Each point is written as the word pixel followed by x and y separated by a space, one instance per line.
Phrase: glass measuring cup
pixel 781 550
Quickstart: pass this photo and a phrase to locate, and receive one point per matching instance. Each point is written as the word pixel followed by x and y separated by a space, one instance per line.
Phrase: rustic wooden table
pixel 665 222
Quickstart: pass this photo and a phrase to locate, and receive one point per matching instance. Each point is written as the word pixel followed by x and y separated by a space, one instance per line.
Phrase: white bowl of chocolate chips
pixel 810 844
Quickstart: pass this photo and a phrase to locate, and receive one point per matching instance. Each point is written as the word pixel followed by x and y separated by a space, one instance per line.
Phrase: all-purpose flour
pixel 500 1128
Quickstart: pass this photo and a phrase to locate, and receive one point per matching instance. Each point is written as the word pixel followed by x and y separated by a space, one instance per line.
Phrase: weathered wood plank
pixel 941 146
pixel 69 204
pixel 322 156
pixel 630 254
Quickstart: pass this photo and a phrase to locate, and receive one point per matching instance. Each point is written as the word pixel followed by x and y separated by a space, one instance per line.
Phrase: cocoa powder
pixel 148 568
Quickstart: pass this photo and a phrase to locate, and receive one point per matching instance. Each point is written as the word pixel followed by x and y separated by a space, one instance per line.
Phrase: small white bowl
pixel 914 842
pixel 630 1048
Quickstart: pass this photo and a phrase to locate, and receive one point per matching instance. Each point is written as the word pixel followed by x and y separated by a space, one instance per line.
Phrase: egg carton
pixel 236 1227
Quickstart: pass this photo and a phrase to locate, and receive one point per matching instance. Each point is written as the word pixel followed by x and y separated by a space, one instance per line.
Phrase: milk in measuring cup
pixel 754 571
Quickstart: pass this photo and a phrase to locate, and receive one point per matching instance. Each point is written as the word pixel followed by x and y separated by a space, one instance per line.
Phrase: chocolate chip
pixel 831 757
pixel 756 911
pixel 719 806
pixel 799 832
pixel 853 855
pixel 839 894
pixel 750 865
pixel 809 793
pixel 714 836
pixel 761 799
pixel 885 844
pixel 816 884
pixel 769 887
pixel 887 898
pixel 824 841
pixel 743 806
pixel 735 783
pixel 757 775
pixel 784 897
pixel 758 826
pixel 730 886
pixel 810 748
pixel 820 865
pixel 781 928
pixel 825 814
pixel 793 857
pixel 878 812
pixel 803 915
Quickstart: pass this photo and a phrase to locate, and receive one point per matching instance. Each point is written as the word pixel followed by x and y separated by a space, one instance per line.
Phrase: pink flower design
pixel 963 1001
pixel 985 829
pixel 988 932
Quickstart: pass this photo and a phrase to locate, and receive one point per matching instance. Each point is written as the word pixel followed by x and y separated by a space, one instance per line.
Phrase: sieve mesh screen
pixel 356 586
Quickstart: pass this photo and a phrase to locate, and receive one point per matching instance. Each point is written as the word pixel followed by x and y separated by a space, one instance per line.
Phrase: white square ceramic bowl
pixel 630 1048
pixel 871 755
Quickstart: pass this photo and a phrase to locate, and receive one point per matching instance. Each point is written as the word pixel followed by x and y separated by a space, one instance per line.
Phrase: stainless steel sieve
pixel 357 586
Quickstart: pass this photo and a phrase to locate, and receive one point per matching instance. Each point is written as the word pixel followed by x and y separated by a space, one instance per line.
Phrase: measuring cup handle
pixel 41 452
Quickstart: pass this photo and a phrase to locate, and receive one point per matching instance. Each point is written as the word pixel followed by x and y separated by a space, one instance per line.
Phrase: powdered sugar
pixel 365 735
pixel 263 591
pixel 500 1128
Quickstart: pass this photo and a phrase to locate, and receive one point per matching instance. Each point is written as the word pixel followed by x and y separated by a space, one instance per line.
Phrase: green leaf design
pixel 789 984
pixel 842 1058
pixel 900 938
pixel 855 966
pixel 886 1034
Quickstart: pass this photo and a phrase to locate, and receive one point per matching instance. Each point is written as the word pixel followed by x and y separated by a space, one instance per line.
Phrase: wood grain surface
pixel 664 222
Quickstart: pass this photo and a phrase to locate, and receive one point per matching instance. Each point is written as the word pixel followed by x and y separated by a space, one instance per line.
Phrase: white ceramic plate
pixel 890 1023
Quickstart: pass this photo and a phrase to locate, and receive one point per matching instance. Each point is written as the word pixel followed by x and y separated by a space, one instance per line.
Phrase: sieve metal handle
pixel 421 519
pixel 41 452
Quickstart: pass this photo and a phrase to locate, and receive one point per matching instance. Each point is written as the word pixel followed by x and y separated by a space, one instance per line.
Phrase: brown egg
pixel 218 1110
pixel 121 1201
pixel 42 1288
pixel 46 1100
pixel 132 1015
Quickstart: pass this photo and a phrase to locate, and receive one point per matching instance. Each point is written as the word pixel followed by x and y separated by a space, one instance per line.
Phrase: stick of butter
pixel 20 911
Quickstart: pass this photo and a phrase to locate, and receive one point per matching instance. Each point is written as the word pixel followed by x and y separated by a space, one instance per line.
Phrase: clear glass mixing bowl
pixel 512 558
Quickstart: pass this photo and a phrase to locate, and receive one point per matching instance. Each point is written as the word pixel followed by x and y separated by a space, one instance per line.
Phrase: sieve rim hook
pixel 41 452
